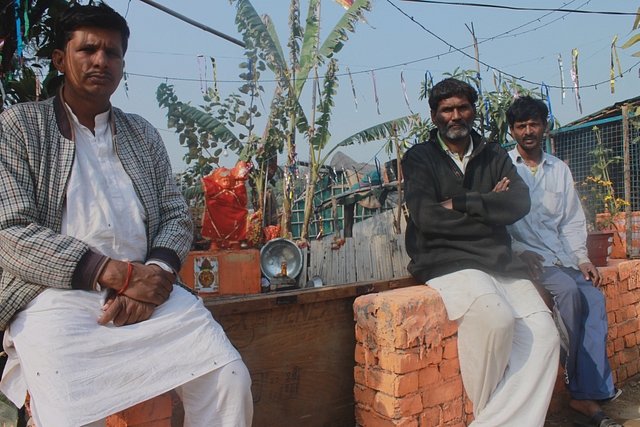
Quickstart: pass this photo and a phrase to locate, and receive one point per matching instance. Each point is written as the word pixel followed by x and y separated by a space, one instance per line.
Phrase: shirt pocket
pixel 551 202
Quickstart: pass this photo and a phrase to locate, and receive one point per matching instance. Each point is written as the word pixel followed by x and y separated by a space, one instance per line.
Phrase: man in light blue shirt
pixel 551 239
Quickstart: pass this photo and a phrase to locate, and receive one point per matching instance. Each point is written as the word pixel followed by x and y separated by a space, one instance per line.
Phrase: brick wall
pixel 408 374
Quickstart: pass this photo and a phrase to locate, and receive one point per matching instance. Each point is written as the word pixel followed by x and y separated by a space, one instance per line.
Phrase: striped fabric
pixel 36 156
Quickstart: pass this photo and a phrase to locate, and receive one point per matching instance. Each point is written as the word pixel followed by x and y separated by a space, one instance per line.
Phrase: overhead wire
pixel 528 9
pixel 488 66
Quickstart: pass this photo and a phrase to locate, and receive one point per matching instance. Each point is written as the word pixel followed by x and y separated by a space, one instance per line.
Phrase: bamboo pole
pixel 398 223
pixel 627 179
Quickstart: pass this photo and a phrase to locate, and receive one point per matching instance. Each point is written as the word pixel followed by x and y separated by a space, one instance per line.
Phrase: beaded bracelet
pixel 126 282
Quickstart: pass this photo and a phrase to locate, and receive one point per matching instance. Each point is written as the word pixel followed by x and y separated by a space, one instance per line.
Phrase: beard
pixel 457 132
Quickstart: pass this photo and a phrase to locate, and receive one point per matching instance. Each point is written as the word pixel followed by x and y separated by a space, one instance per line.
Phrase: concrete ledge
pixel 408 374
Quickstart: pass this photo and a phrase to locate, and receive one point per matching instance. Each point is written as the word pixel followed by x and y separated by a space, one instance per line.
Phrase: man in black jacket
pixel 462 191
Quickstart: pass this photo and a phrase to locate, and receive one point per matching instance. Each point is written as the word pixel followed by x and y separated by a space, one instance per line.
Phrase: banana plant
pixel 206 134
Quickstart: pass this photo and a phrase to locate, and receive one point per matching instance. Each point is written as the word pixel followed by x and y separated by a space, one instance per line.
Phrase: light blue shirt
pixel 555 227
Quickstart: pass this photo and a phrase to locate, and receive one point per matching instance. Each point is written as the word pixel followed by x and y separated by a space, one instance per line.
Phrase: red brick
pixel 402 361
pixel 611 318
pixel 630 297
pixel 609 349
pixel 613 303
pixel 468 405
pixel 618 344
pixel 116 421
pixel 630 312
pixel 431 417
pixel 368 418
pixel 608 275
pixel 429 377
pixel 359 375
pixel 625 269
pixel 394 407
pixel 449 368
pixel 622 373
pixel 450 329
pixel 434 356
pixel 630 340
pixel 371 419
pixel 395 385
pixel 364 395
pixel 629 355
pixel 628 327
pixel 450 348
pixel 158 408
pixel 613 332
pixel 632 368
pixel 446 392
pixel 359 354
pixel 158 423
pixel 614 361
pixel 452 411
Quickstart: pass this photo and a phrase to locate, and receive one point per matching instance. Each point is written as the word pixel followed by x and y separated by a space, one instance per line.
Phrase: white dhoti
pixel 78 372
pixel 508 346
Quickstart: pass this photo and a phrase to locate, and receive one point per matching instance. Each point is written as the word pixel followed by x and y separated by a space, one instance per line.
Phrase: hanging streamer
pixel 215 79
pixel 38 84
pixel 479 83
pixel 564 95
pixel 125 79
pixel 20 43
pixel 544 91
pixel 497 80
pixel 404 90
pixel 375 91
pixel 353 89
pixel 203 84
pixel 574 77
pixel 428 83
pixel 614 53
pixel 27 24
pixel 487 105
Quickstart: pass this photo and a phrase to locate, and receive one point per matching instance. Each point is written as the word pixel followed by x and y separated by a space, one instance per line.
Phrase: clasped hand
pixel 149 286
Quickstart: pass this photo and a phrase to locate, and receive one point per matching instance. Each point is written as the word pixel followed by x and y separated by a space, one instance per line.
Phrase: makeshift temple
pixel 225 220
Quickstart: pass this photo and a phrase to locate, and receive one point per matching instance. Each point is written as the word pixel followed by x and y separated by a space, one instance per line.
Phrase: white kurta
pixel 77 371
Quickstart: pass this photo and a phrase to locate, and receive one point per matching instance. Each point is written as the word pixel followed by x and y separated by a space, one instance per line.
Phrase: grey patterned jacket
pixel 36 156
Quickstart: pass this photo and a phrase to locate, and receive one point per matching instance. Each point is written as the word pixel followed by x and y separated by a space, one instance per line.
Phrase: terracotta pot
pixel 599 246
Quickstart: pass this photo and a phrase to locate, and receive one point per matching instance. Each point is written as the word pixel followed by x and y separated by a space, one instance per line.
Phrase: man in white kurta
pixel 92 233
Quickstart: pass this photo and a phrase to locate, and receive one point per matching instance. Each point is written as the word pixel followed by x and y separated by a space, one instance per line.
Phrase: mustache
pixel 458 123
pixel 98 74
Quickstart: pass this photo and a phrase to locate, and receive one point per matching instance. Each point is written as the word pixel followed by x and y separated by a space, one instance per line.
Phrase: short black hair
pixel 451 87
pixel 527 108
pixel 97 15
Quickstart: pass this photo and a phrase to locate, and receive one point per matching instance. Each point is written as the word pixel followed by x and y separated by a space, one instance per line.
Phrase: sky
pixel 399 37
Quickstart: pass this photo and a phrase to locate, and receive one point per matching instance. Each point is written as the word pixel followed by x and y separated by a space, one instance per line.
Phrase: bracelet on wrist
pixel 128 279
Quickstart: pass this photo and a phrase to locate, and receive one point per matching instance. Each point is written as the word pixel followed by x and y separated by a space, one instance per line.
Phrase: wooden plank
pixel 363 259
pixel 220 306
pixel 317 262
pixel 350 247
pixel 299 349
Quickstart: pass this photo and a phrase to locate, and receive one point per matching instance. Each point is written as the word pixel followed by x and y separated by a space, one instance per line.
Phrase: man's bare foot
pixel 585 407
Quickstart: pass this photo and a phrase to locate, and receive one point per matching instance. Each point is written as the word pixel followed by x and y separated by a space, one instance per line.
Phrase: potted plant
pixel 603 210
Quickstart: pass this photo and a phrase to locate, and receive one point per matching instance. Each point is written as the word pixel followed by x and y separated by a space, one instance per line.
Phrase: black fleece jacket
pixel 472 235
